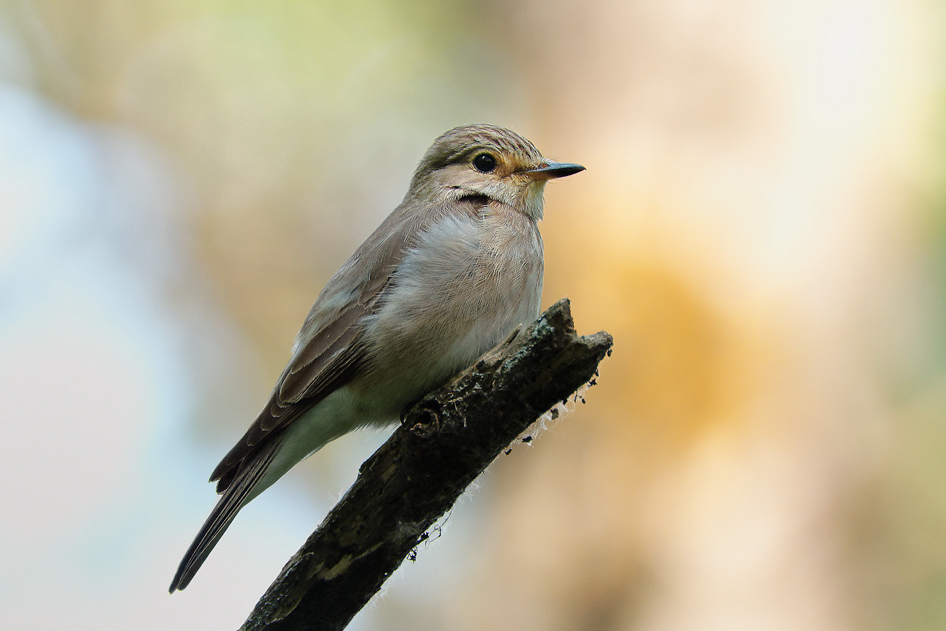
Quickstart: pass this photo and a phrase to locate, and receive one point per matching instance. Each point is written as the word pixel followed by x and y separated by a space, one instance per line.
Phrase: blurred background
pixel 762 227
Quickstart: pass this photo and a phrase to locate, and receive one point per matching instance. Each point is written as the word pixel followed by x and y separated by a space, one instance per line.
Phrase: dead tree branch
pixel 444 442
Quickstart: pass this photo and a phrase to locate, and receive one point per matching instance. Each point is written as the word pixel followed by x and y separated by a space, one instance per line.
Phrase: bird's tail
pixel 235 497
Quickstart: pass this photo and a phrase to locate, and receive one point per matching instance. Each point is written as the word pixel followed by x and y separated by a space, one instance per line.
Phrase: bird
pixel 450 273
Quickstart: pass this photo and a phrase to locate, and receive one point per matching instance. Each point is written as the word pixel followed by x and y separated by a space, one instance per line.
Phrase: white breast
pixel 462 289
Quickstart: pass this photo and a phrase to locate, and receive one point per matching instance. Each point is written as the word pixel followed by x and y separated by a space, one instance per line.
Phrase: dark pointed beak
pixel 552 169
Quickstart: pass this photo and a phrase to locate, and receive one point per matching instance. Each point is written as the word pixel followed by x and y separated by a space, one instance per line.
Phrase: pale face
pixel 503 177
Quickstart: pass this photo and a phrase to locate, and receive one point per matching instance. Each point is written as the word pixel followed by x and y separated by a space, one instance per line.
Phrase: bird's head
pixel 486 162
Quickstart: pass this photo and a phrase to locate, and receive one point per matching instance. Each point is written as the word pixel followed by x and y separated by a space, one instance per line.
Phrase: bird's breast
pixel 465 285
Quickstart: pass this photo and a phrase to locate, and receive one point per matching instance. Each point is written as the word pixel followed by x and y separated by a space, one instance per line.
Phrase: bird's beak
pixel 551 169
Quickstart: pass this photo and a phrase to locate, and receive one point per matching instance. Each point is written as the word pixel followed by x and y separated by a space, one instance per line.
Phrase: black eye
pixel 484 162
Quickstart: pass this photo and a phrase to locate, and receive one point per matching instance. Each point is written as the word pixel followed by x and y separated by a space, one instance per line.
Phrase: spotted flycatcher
pixel 447 276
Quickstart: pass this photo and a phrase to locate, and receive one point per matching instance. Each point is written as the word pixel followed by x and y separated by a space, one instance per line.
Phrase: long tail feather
pixel 233 499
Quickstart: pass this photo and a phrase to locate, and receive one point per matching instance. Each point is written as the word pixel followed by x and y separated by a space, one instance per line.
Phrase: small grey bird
pixel 447 276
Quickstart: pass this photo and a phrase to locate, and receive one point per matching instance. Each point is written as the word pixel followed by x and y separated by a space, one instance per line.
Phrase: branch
pixel 444 442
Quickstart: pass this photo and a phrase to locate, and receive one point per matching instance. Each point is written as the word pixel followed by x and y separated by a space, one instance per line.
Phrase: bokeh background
pixel 762 227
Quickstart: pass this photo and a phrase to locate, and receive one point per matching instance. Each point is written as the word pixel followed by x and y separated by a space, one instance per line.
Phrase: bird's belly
pixel 427 356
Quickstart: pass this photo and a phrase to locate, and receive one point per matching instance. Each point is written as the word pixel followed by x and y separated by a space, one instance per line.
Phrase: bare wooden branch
pixel 444 442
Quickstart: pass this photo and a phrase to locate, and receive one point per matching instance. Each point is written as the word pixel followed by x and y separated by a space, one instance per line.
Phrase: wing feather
pixel 331 348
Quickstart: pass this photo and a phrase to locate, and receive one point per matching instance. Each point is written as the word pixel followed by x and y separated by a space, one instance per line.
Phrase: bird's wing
pixel 330 348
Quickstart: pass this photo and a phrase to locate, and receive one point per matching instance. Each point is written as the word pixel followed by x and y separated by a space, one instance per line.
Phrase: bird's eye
pixel 484 162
